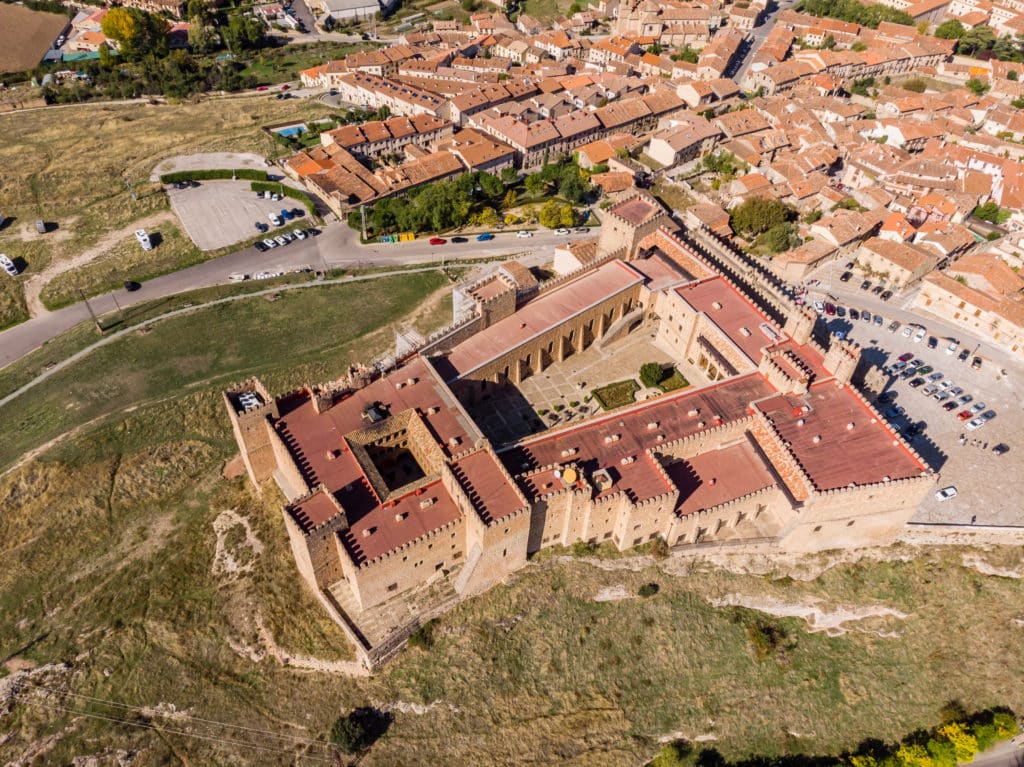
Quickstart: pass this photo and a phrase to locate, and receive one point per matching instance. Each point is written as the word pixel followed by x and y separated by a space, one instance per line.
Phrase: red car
pixel 830 310
pixel 906 357
pixel 262 88
pixel 285 87
pixel 963 415
pixel 438 240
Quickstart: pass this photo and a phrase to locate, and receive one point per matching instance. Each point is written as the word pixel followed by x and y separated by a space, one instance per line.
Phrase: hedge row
pixel 287 191
pixel 206 175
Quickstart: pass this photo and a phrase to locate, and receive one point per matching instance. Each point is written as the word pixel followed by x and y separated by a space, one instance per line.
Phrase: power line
pixel 183 733
pixel 182 715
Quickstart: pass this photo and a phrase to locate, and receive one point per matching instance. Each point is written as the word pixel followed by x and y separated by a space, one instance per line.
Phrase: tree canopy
pixel 858 13
pixel 950 30
pixel 759 214
pixel 136 32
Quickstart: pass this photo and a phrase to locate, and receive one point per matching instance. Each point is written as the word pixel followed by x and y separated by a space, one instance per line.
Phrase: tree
pixel 509 176
pixel 571 184
pixel 1012 75
pixel 511 198
pixel 950 30
pixel 759 214
pixel 915 84
pixel 244 33
pixel 779 238
pixel 198 9
pixel 551 214
pixel 651 374
pixel 979 38
pixel 136 32
pixel 687 54
pixel 467 5
pixel 491 185
pixel 487 217
pixel 349 734
pixel 655 48
pixel 200 38
pixel 977 87
pixel 535 183
pixel 991 212
pixel 566 215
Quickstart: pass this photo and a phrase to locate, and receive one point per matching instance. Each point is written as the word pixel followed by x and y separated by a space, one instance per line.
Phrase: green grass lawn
pixel 618 394
pixel 314 327
pixel 278 65
pixel 673 382
pixel 12 303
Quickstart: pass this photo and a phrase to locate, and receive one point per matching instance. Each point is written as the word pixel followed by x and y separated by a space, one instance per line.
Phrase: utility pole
pixel 362 211
pixel 92 314
pixel 120 311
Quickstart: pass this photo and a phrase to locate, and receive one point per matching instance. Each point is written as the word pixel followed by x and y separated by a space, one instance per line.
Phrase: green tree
pixel 991 212
pixel 977 39
pixel 678 753
pixel 759 214
pixel 687 54
pixel 915 84
pixel 655 48
pixel 349 734
pixel 566 215
pixel 136 32
pixel 572 186
pixel 535 183
pixel 977 87
pixel 779 238
pixel 467 5
pixel 509 176
pixel 511 198
pixel 1012 75
pixel 491 185
pixel 244 33
pixel 651 374
pixel 950 30
pixel 200 37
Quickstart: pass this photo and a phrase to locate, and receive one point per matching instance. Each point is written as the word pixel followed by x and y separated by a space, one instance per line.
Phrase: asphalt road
pixel 758 35
pixel 335 246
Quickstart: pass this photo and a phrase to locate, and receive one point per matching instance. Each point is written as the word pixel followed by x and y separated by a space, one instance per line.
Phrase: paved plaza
pixel 563 391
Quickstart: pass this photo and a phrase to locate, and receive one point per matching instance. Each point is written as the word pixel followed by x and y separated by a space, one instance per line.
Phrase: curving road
pixel 336 246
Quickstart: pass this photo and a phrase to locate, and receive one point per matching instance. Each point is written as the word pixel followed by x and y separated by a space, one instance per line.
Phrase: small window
pixel 817 529
pixel 393 587
pixel 637 541
pixel 606 536
pixel 850 523
pixel 438 566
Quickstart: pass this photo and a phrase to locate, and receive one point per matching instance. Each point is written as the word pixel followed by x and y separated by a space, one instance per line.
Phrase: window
pixel 393 587
pixel 504 552
pixel 637 541
pixel 606 536
pixel 438 566
pixel 850 523
pixel 817 529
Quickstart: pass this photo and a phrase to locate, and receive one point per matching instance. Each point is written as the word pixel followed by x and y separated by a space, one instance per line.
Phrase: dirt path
pixel 35 284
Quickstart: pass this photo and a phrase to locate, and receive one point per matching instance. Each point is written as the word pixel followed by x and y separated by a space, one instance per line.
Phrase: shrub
pixel 349 734
pixel 651 374
pixel 287 191
pixel 648 590
pixel 583 549
pixel 206 175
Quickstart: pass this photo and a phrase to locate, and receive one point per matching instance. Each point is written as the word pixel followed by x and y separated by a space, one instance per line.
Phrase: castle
pixel 394 487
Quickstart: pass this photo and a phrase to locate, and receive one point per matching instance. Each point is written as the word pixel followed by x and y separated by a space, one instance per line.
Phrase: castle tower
pixel 841 359
pixel 250 407
pixel 800 324
pixel 627 223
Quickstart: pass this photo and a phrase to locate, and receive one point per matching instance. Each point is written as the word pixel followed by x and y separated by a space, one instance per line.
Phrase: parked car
pixel 830 309
pixel 933 342
pixel 888 396
pixel 894 326
pixel 819 307
pixel 275 219
pixel 908 331
pixel 923 370
pixel 484 237
pixel 845 276
pixel 261 88
pixel 906 357
pixel 935 377
pixel 897 367
pixel 8 266
pixel 131 286
pixel 288 236
pixel 941 396
pixel 438 240
pixel 1001 449
pixel 270 243
pixel 964 399
pixel 877 320
pixel 300 234
pixel 886 295
pixel 917 382
pixel 963 415
pixel 286 214
pixel 840 312
pixel 260 247
pixel 977 407
pixel 866 285
pixel 854 314
pixel 877 290
pixel 929 390
pixel 946 493
pixel 950 406
pixel 976 363
pixel 988 415
pixel 280 240
pixel 524 233
pixel 865 315
pixel 459 239
pixel 562 232
pixel 919 335
pixel 963 355
pixel 976 423
pixel 952 347
pixel 894 412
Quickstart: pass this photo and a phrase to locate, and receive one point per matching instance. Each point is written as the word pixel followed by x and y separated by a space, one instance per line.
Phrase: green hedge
pixel 287 191
pixel 215 173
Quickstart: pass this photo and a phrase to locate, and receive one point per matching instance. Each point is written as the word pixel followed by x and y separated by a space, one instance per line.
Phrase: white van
pixel 143 238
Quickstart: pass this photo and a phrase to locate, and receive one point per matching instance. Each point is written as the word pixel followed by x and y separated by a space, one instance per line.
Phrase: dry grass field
pixel 134 573
pixel 69 166
pixel 25 35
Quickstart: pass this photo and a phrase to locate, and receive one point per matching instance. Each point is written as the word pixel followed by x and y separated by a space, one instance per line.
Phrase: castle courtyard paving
pixel 513 413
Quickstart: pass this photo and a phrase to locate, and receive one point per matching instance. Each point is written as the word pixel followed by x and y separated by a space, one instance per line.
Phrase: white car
pixel 238 277
pixel 819 307
pixel 280 240
pixel 300 234
pixel 143 238
pixel 946 493
pixel 919 335
pixel 908 331
pixel 562 232
pixel 275 219
pixel 524 234
pixel 976 423
pixel 953 346
pixel 8 266
pixel 270 243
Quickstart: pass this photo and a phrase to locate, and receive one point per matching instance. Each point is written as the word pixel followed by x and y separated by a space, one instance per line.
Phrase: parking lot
pixel 220 213
pixel 988 485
